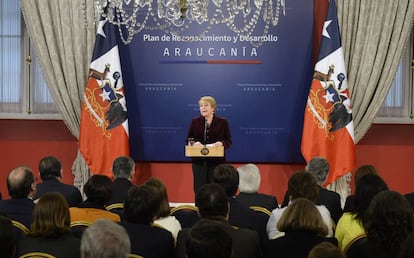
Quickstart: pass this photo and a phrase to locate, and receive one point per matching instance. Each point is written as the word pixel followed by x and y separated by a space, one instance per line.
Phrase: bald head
pixel 20 182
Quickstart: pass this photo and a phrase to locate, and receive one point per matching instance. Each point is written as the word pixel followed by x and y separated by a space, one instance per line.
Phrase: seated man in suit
pixel 7 238
pixel 213 205
pixel 319 168
pixel 141 207
pixel 50 169
pixel 240 215
pixel 22 187
pixel 123 169
pixel 249 184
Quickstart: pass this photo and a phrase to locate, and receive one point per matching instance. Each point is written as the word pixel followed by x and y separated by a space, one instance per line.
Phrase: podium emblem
pixel 205 151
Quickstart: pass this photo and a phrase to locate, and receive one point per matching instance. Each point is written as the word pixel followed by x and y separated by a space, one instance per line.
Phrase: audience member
pixel 8 238
pixel 141 207
pixel 300 185
pixel 407 247
pixel 410 198
pixel 50 170
pixel 304 228
pixel 50 230
pixel 123 169
pixel 22 187
pixel 249 184
pixel 208 239
pixel 164 219
pixel 389 221
pixel 326 250
pixel 319 168
pixel 240 215
pixel 350 225
pixel 105 239
pixel 213 204
pixel 359 172
pixel 98 191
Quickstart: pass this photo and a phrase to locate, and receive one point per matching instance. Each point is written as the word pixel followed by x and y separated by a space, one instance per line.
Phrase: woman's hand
pixel 218 144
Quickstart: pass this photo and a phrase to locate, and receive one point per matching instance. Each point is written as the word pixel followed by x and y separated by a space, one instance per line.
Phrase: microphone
pixel 206 126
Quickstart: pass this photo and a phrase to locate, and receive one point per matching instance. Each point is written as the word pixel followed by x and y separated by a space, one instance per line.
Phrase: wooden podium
pixel 204 151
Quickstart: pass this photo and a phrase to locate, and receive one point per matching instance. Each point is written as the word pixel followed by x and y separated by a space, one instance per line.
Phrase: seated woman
pixel 304 228
pixel 350 225
pixel 301 184
pixel 49 232
pixel 359 173
pixel 98 190
pixel 389 221
pixel 164 219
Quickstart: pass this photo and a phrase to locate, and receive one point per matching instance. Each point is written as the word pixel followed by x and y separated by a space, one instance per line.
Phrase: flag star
pixel 100 28
pixel 105 95
pixel 328 97
pixel 325 27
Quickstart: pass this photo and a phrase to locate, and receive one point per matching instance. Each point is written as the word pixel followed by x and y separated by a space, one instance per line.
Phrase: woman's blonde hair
pixel 302 215
pixel 210 100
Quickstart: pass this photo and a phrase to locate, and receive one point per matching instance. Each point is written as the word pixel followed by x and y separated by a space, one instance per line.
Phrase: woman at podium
pixel 207 130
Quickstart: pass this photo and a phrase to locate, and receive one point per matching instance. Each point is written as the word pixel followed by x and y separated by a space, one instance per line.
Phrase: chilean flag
pixel 328 129
pixel 104 124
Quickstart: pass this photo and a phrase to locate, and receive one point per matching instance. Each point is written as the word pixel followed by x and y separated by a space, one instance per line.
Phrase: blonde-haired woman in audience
pixel 50 232
pixel 164 218
pixel 304 228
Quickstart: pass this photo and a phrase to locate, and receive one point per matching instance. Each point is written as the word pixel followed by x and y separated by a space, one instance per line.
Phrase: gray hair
pixel 122 167
pixel 105 239
pixel 319 168
pixel 249 175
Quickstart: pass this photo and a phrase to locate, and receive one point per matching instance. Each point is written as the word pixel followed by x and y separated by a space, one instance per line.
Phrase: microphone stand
pixel 205 159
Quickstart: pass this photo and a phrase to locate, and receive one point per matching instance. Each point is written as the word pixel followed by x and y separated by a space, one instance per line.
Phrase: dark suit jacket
pixel 18 209
pixel 294 245
pixel 258 199
pixel 65 246
pixel 243 217
pixel 120 189
pixel 330 199
pixel 149 241
pixel 245 242
pixel 410 198
pixel 365 248
pixel 218 130
pixel 349 203
pixel 70 192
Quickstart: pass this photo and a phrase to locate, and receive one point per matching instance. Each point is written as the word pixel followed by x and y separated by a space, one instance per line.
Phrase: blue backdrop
pixel 260 87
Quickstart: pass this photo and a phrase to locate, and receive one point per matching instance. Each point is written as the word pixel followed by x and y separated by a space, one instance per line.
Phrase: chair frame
pixel 37 255
pixel 183 207
pixel 353 241
pixel 80 223
pixel 20 226
pixel 118 205
pixel 261 209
